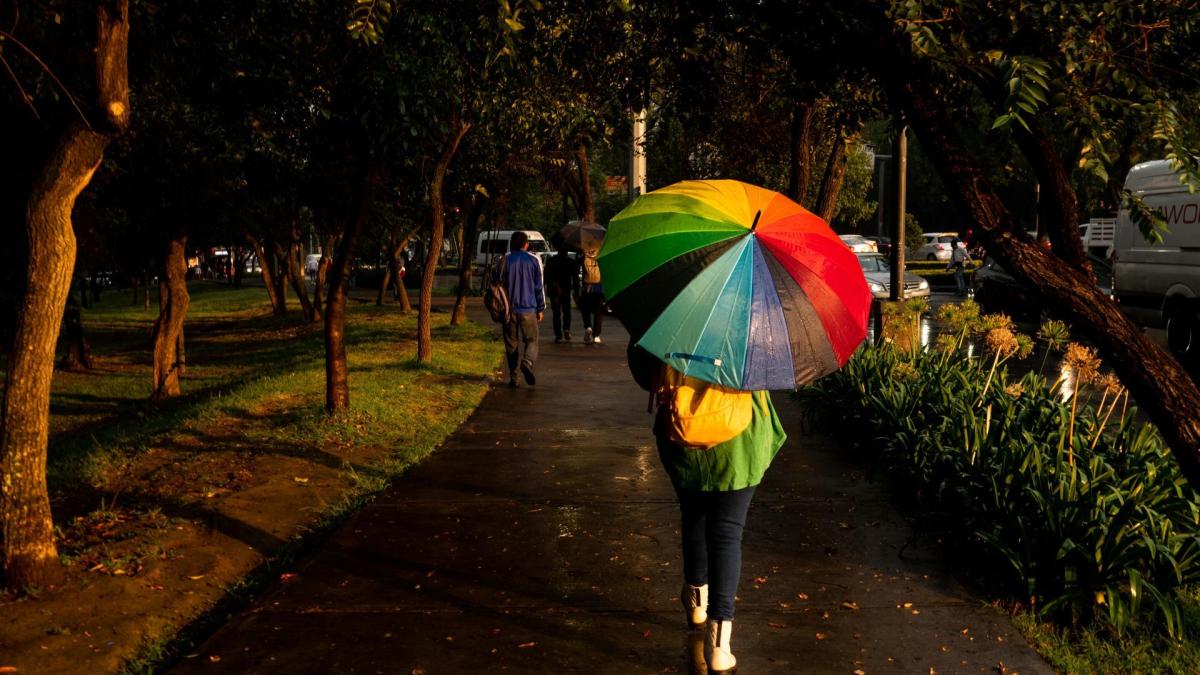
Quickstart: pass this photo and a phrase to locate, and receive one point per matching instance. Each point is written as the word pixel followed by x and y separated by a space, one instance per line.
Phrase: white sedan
pixel 858 244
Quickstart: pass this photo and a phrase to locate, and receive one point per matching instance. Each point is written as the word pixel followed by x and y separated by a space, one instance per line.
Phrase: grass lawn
pixel 188 497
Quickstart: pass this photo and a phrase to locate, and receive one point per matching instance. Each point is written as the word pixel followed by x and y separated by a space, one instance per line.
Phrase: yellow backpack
pixel 700 414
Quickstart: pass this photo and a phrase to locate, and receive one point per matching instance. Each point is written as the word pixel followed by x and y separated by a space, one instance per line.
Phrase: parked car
pixel 857 243
pixel 997 291
pixel 878 272
pixel 882 244
pixel 937 246
pixel 1158 284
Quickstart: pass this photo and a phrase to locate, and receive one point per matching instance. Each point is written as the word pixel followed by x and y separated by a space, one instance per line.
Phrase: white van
pixel 492 244
pixel 1159 284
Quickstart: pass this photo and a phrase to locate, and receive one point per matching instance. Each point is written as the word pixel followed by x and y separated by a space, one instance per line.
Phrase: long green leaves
pixel 1111 539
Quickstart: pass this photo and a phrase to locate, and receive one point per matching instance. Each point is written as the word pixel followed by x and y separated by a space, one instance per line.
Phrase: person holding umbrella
pixel 562 283
pixel 728 291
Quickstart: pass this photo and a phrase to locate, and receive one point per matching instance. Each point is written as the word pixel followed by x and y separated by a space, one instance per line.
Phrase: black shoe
pixel 528 373
pixel 512 382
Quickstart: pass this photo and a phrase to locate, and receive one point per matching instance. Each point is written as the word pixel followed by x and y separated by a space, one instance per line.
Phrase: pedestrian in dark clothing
pixel 959 257
pixel 562 283
pixel 522 276
pixel 591 301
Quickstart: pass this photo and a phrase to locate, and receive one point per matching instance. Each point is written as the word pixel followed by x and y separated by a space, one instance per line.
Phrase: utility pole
pixel 901 177
pixel 637 156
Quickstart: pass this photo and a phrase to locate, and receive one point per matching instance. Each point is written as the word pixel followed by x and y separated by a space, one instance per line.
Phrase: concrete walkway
pixel 543 538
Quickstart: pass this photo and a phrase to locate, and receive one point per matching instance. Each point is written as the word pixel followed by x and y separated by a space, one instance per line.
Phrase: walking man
pixel 522 276
pixel 562 282
pixel 959 258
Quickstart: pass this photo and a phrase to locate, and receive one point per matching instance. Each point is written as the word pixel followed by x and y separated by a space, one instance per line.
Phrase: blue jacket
pixel 523 282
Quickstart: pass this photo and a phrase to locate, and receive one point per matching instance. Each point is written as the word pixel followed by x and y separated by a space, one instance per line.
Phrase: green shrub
pixel 1067 502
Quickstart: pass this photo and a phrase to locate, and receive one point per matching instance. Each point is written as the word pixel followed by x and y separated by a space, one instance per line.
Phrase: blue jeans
pixel 712 544
pixel 960 281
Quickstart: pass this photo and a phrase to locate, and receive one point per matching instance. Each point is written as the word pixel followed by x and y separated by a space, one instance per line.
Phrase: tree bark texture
pixel 831 182
pixel 458 129
pixel 337 381
pixel 295 273
pixel 269 277
pixel 801 151
pixel 1164 391
pixel 168 328
pixel 78 357
pixel 30 557
pixel 465 261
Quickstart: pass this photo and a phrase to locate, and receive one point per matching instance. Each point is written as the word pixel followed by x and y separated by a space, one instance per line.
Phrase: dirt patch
pixel 180 519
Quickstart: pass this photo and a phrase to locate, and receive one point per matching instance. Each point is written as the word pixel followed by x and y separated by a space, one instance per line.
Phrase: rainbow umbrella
pixel 734 284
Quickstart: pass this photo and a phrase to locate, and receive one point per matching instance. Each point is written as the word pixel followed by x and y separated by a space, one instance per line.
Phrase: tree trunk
pixel 78 357
pixel 398 276
pixel 831 183
pixel 465 262
pixel 458 129
pixel 337 382
pixel 1157 381
pixel 168 328
pixel 239 265
pixel 30 557
pixel 295 273
pixel 270 280
pixel 801 151
pixel 323 269
pixel 146 294
pixel 389 251
pixel 586 205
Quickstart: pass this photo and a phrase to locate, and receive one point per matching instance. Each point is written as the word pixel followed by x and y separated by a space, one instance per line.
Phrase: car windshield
pixel 537 246
pixel 873 263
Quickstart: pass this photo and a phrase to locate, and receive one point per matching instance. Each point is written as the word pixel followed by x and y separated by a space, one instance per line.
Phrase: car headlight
pixel 923 285
pixel 875 287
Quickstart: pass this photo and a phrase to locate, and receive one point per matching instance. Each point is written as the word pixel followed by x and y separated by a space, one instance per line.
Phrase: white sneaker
pixel 596 339
pixel 717 652
pixel 695 605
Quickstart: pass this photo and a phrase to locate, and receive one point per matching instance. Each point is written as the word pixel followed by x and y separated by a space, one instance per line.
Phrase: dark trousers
pixel 712 544
pixel 960 280
pixel 521 330
pixel 591 306
pixel 560 308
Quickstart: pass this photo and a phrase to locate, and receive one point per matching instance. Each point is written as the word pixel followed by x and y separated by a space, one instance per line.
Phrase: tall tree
pixel 29 554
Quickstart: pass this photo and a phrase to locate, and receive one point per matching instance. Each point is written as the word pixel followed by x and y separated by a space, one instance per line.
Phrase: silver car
pixel 878 272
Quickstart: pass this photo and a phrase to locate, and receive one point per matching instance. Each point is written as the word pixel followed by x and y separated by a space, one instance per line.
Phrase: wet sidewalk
pixel 543 538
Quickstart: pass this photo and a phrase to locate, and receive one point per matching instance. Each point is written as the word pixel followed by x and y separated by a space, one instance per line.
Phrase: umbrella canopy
pixel 582 236
pixel 734 284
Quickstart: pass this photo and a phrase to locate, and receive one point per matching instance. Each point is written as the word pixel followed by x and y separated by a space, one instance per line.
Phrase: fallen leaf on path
pixel 776 624
pixel 850 605
pixel 300 479
pixel 8 669
pixel 916 612
pixel 860 671
pixel 526 645
pixel 820 636
pixel 906 605
pixel 760 580
pixel 647 633
pixel 196 577
pixel 802 596
pixel 214 658
pixel 287 576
